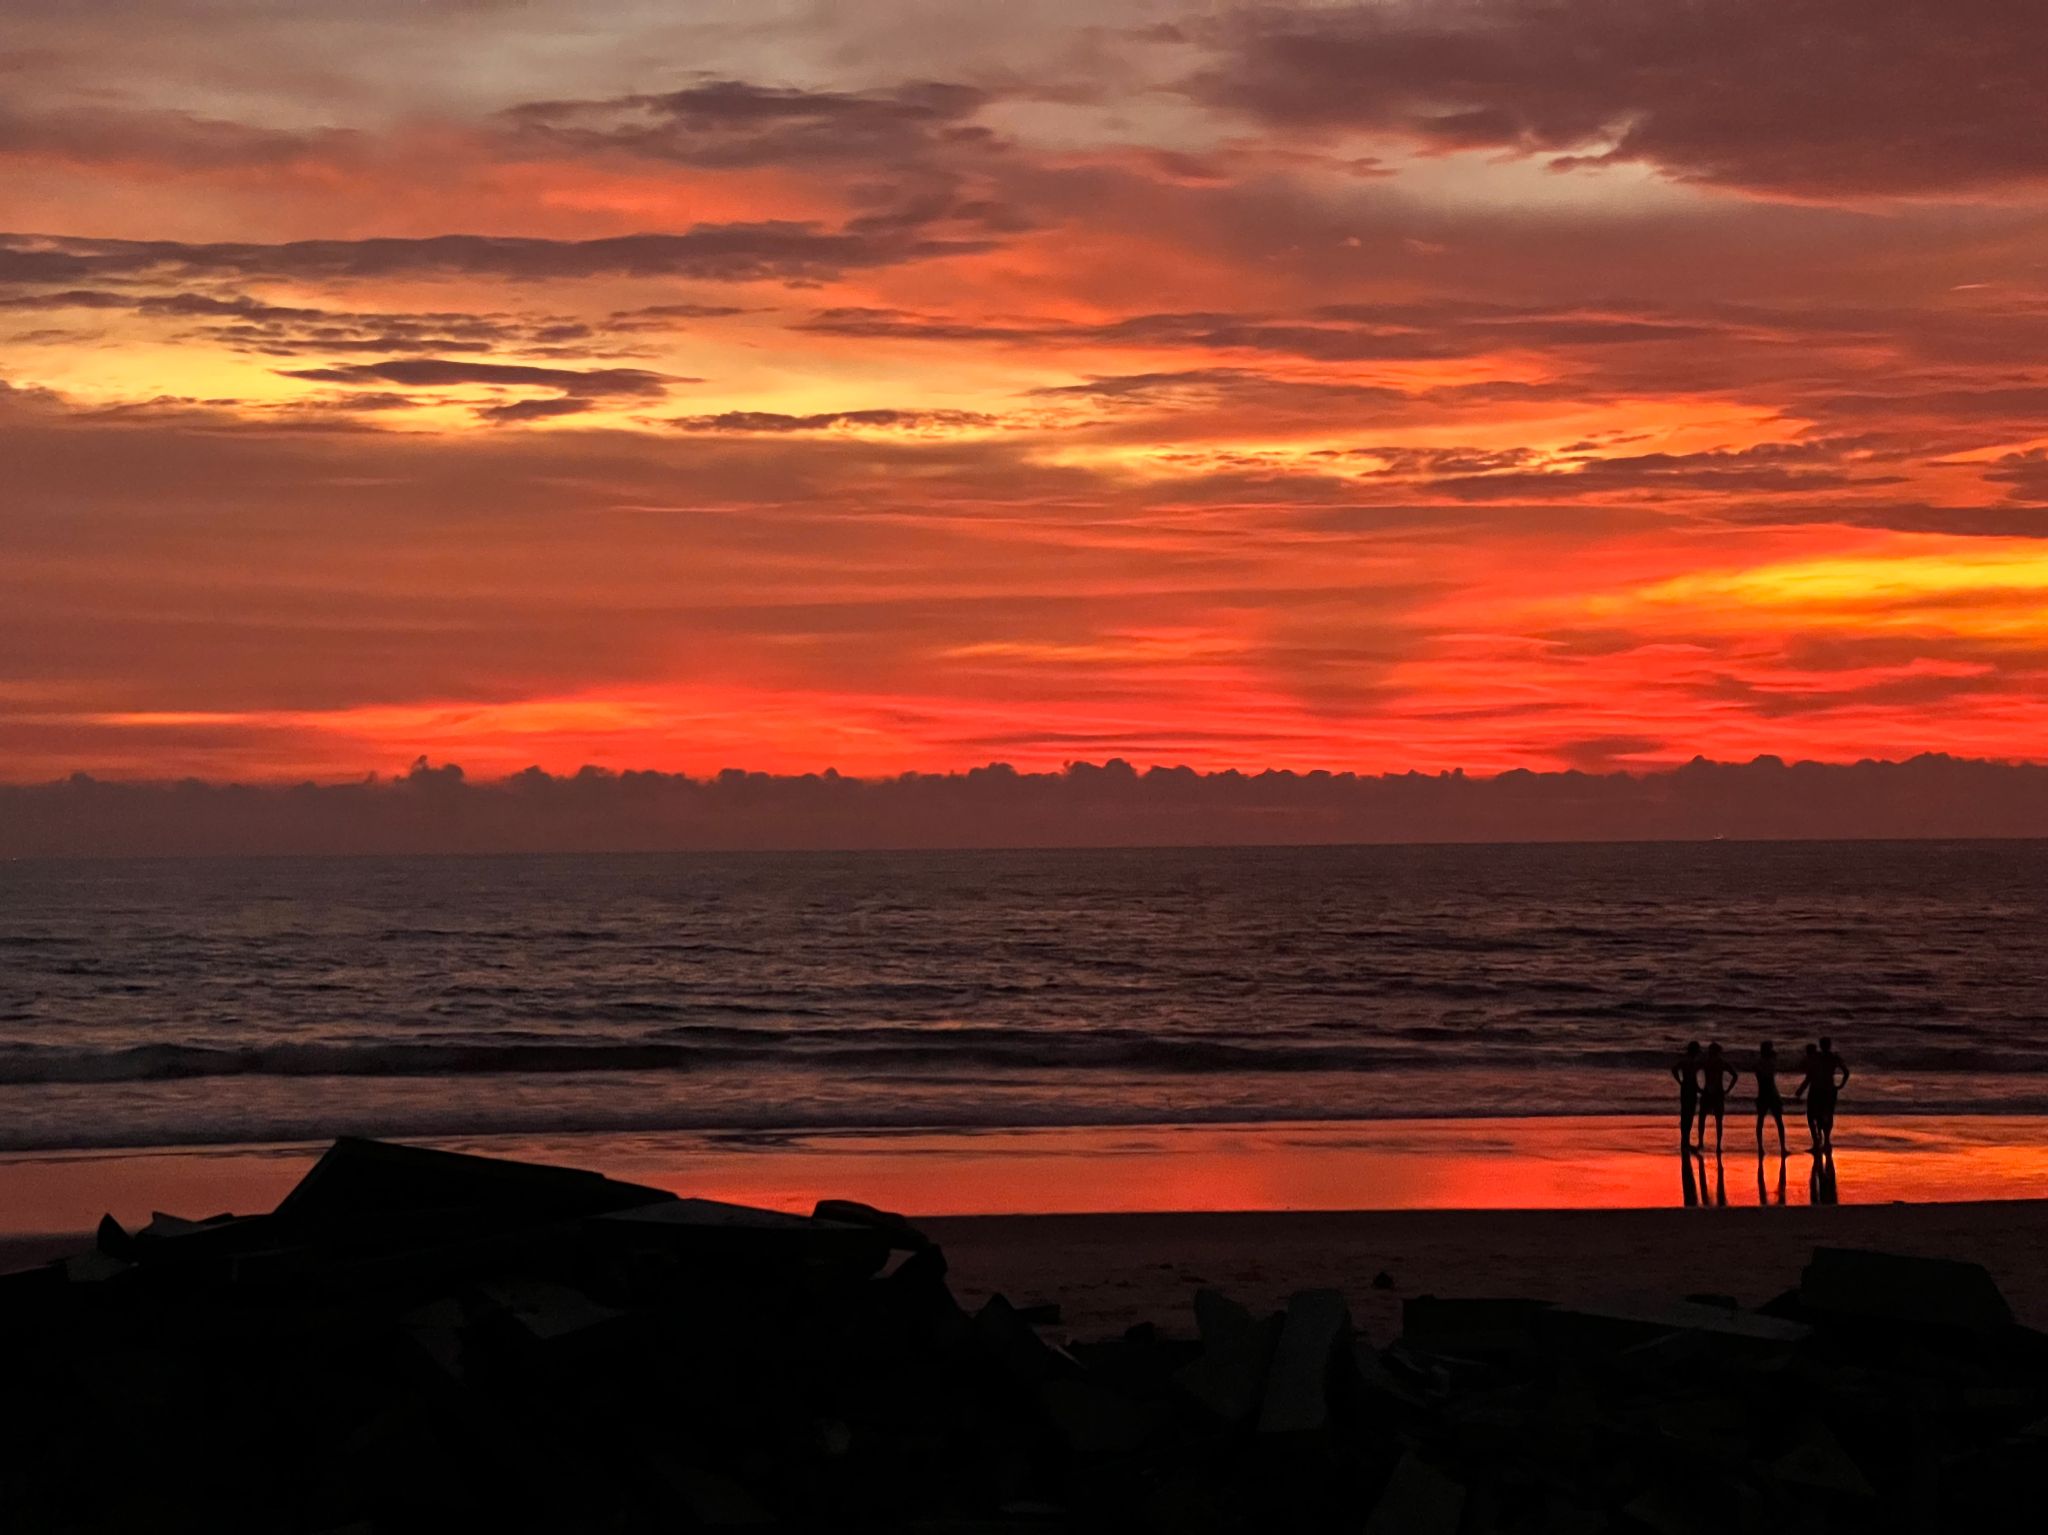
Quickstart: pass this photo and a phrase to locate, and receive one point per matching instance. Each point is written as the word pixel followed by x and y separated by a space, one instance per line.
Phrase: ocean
pixel 227 1002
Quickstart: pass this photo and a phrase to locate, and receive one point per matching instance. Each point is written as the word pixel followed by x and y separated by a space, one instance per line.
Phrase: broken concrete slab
pixel 1297 1394
pixel 741 1233
pixel 1218 1318
pixel 1419 1499
pixel 680 1362
pixel 1817 1460
pixel 1629 1324
pixel 357 1177
pixel 543 1310
pixel 1016 1347
pixel 111 1239
pixel 1092 1419
pixel 1470 1326
pixel 1229 1379
pixel 902 1235
pixel 1887 1287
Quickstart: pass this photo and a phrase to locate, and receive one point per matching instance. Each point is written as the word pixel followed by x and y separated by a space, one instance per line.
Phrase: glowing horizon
pixel 909 387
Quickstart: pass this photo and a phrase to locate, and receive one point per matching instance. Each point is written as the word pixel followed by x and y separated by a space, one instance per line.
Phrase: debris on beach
pixel 421 1340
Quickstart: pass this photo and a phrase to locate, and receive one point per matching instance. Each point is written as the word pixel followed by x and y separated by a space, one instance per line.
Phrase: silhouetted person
pixel 1810 1092
pixel 1716 1077
pixel 1686 1073
pixel 1826 1076
pixel 1836 1073
pixel 1769 1105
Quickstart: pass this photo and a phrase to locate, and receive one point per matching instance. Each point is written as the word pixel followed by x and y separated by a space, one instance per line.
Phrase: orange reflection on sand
pixel 1408 1165
pixel 1389 1165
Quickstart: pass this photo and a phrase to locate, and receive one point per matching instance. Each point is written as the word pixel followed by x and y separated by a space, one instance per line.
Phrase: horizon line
pixel 421 770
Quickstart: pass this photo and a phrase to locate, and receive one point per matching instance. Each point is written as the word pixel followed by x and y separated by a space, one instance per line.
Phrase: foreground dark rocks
pixel 415 1340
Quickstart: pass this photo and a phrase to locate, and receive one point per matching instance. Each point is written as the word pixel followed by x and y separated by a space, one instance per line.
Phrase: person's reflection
pixel 1763 1195
pixel 1720 1181
pixel 1820 1187
pixel 1688 1184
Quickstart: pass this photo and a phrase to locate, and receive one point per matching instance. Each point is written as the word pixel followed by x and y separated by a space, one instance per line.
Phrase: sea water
pixel 225 1001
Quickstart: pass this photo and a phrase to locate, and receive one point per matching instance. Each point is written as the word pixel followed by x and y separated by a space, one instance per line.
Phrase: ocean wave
pixel 746 1121
pixel 923 1052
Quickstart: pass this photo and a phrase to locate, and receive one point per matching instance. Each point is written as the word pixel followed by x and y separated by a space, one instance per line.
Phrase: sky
pixel 903 386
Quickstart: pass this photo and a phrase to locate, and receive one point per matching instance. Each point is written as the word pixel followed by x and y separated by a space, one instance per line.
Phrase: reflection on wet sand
pixel 1763 1195
pixel 1821 1182
pixel 1561 1163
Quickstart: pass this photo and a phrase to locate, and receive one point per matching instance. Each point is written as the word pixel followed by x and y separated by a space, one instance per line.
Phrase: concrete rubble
pixel 419 1340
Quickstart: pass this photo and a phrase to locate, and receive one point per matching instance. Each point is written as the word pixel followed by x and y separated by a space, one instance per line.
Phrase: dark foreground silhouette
pixel 420 1341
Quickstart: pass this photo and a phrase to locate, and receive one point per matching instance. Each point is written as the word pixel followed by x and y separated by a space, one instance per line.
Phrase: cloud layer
pixel 1111 804
pixel 1481 384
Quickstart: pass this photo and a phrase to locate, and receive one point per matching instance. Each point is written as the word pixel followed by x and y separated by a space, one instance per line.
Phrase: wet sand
pixel 1560 1208
pixel 1554 1163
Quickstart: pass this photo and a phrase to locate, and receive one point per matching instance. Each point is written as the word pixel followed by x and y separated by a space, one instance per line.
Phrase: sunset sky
pixel 906 385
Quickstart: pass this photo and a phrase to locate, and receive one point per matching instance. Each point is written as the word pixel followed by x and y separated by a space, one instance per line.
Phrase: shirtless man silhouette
pixel 1715 1080
pixel 1686 1073
pixel 1826 1076
pixel 1769 1105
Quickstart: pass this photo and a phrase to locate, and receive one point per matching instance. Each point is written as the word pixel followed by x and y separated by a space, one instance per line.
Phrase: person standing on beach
pixel 1686 1073
pixel 1715 1080
pixel 1821 1089
pixel 1830 1065
pixel 1809 1092
pixel 1769 1105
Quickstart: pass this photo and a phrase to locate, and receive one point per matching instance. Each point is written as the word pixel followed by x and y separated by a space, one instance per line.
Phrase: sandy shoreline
pixel 1445 1207
pixel 1530 1163
pixel 1109 1271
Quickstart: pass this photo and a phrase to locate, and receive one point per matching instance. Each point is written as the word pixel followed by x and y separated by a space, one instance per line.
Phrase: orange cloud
pixel 682 406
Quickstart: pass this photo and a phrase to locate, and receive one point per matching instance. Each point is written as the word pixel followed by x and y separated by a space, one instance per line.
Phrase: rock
pixel 1383 1280
pixel 162 1225
pixel 1218 1317
pixel 1817 1460
pixel 715 1500
pixel 1041 1314
pixel 903 1237
pixel 1230 1377
pixel 1675 1509
pixel 1471 1328
pixel 357 1177
pixel 1885 1287
pixel 544 1311
pixel 94 1267
pixel 437 1329
pixel 1575 1329
pixel 739 1234
pixel 1014 1346
pixel 112 1240
pixel 1418 1500
pixel 1297 1395
pixel 1093 1420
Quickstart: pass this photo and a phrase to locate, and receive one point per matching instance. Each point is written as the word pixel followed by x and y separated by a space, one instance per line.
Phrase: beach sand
pixel 1463 1207
pixel 1535 1163
pixel 1109 1271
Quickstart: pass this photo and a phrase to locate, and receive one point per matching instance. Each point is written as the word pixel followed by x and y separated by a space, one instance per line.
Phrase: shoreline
pixel 1108 1271
pixel 1524 1163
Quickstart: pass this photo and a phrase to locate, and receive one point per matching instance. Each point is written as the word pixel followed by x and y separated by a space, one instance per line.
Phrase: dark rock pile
pixel 416 1340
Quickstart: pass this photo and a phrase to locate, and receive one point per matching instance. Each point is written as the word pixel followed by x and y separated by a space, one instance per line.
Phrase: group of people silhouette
pixel 1705 1080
